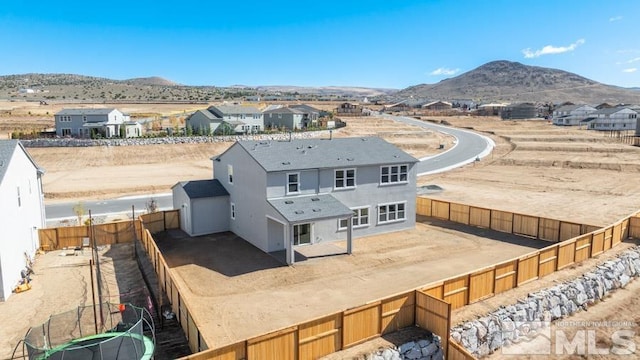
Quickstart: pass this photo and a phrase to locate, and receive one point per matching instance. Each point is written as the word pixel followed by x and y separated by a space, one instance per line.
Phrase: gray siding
pixel 248 193
pixel 290 121
pixel 210 215
pixel 199 123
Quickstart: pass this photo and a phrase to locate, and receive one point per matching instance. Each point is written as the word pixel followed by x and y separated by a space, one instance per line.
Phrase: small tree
pixel 152 206
pixel 80 211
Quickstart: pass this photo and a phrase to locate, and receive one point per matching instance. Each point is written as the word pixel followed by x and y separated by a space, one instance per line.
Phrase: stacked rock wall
pixel 71 142
pixel 508 324
pixel 425 349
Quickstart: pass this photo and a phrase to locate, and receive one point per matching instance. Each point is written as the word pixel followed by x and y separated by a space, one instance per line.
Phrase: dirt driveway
pixel 236 291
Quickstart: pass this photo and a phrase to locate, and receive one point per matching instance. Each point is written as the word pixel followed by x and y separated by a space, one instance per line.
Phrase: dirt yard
pixel 537 168
pixel 251 287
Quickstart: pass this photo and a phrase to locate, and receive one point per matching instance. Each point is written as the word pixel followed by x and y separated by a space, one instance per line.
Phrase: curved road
pixel 468 147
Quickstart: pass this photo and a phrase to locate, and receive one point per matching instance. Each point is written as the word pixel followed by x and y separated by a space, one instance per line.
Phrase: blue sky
pixel 386 44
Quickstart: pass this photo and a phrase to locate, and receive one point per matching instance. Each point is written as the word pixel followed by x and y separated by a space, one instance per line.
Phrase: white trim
pixel 398 174
pixel 297 174
pixel 232 208
pixel 357 216
pixel 344 179
pixel 276 220
pixel 293 236
pixel 404 203
pixel 230 174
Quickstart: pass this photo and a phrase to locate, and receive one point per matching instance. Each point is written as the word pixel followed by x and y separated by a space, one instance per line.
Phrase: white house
pixel 21 212
pixel 569 115
pixel 84 123
pixel 278 195
pixel 617 118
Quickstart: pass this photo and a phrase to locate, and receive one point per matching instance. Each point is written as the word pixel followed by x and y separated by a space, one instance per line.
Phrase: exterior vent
pixel 315 199
pixel 286 163
pixel 288 202
pixel 317 210
pixel 299 212
pixel 349 159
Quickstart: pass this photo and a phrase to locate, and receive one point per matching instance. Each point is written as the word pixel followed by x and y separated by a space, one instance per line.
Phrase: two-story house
pixel 310 114
pixel 349 109
pixel 568 115
pixel 85 123
pixel 616 118
pixel 226 119
pixel 21 212
pixel 281 194
pixel 284 117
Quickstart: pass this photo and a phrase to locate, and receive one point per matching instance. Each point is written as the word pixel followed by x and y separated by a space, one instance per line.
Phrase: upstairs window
pixel 345 179
pixel 293 183
pixel 230 173
pixel 394 174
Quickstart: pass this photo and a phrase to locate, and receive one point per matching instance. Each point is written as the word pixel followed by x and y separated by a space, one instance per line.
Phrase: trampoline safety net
pixel 108 331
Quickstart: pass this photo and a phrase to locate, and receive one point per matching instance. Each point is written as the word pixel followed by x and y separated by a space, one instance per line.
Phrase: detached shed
pixel 204 206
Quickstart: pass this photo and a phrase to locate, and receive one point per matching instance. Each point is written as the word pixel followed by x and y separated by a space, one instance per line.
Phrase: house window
pixel 391 213
pixel 345 179
pixel 19 200
pixel 302 234
pixel 293 183
pixel 230 173
pixel 360 219
pixel 394 174
pixel 233 211
pixel 84 118
pixel 66 132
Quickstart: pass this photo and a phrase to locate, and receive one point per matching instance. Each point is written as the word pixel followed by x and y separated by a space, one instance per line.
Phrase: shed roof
pixel 197 189
pixel 305 208
pixel 299 154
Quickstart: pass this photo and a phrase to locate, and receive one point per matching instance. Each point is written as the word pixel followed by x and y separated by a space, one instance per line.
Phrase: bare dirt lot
pixel 537 168
pixel 251 287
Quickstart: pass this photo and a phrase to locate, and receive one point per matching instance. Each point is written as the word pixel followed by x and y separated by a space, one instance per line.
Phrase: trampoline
pixel 113 332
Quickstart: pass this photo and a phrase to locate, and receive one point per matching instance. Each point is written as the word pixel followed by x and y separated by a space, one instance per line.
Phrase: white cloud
pixel 630 70
pixel 628 61
pixel 550 49
pixel 615 18
pixel 444 71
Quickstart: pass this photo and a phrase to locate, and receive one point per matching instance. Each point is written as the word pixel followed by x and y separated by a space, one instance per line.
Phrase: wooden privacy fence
pixel 341 330
pixel 428 307
pixel 106 234
pixel 504 221
pixel 480 284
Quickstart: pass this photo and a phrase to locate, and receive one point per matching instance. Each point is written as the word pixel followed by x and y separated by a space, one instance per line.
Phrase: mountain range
pixel 496 81
pixel 507 81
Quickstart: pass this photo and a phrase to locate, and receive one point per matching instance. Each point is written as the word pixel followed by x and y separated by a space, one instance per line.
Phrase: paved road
pixel 111 206
pixel 468 147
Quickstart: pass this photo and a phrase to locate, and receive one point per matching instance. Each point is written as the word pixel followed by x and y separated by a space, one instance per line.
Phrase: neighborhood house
pixel 226 119
pixel 87 123
pixel 21 212
pixel 281 194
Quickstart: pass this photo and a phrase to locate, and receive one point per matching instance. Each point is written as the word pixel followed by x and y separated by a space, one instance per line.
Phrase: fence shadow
pixel 484 232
